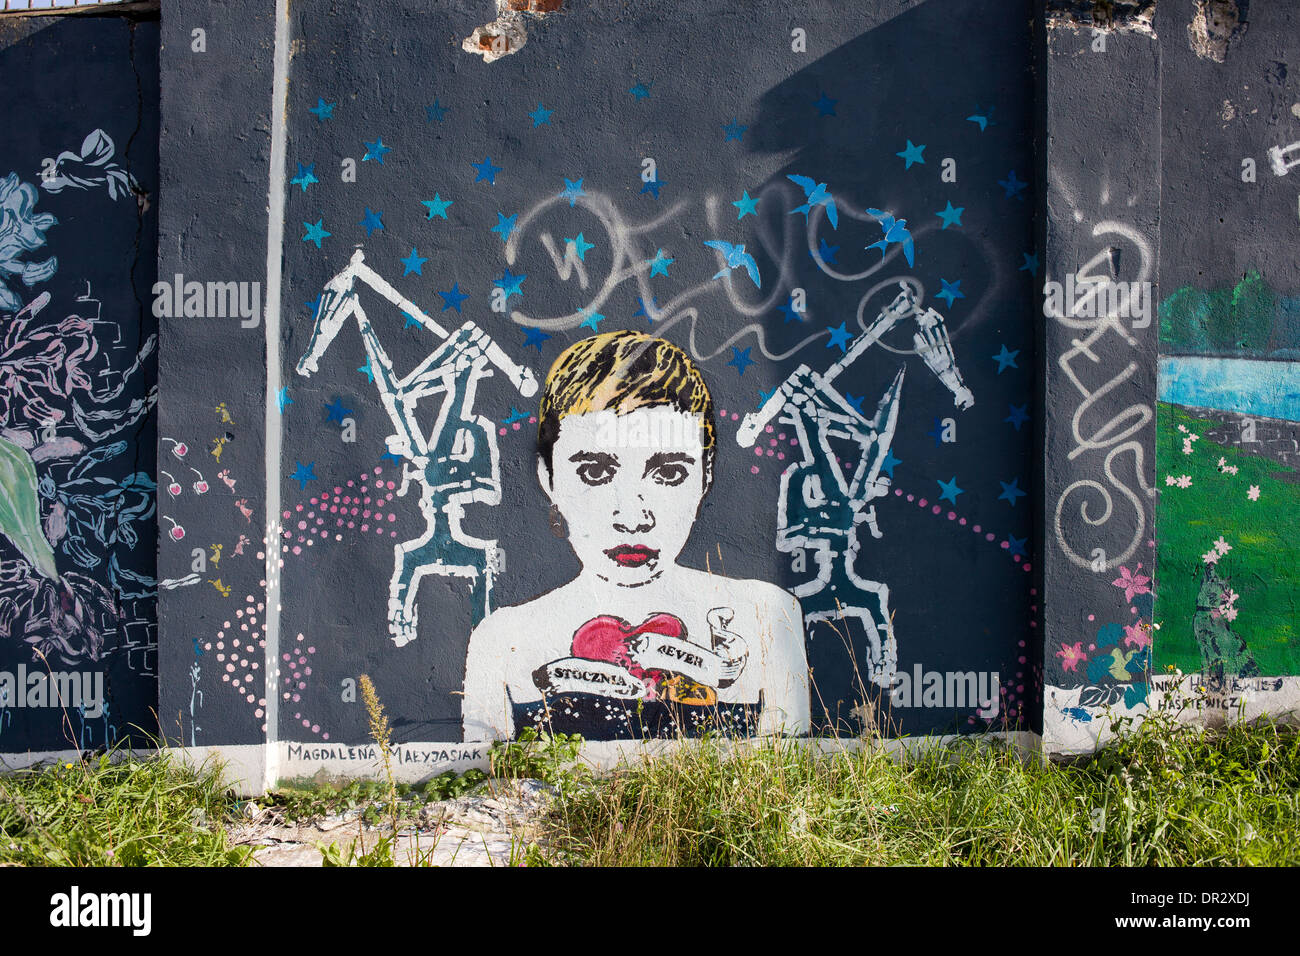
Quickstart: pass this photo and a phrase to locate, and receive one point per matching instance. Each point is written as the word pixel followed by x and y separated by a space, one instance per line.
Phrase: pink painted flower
pixel 1135 635
pixel 1071 657
pixel 1210 557
pixel 1132 582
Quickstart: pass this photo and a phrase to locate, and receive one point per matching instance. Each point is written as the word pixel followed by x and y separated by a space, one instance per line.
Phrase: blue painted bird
pixel 895 230
pixel 735 256
pixel 816 195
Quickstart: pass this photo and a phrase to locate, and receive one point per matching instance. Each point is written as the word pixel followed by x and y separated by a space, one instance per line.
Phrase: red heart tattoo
pixel 606 638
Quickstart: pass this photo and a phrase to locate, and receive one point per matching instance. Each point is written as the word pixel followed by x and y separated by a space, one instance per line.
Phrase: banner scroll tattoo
pixel 1101 315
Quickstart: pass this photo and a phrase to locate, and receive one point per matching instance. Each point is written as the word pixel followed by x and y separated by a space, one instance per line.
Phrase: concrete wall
pixel 1199 204
pixel 78 379
pixel 489 404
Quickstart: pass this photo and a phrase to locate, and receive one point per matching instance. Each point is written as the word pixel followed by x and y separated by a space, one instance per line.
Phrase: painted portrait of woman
pixel 636 645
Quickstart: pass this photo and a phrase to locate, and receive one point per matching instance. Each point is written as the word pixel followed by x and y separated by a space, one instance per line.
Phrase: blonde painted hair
pixel 621 372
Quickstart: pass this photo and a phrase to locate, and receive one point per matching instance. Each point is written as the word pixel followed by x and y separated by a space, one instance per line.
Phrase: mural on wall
pixel 805 566
pixel 78 645
pixel 637 644
pixel 1228 457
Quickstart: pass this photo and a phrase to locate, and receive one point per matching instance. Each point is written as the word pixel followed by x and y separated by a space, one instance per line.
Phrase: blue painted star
pixel 950 489
pixel 912 154
pixel 389 456
pixel 376 151
pixel 435 112
pixel 734 131
pixel 937 432
pixel 659 264
pixel 413 263
pixel 740 359
pixel 580 246
pixel 372 221
pixel 1010 492
pixel 887 466
pixel 510 283
pixel 1019 415
pixel 641 90
pixel 825 105
pixel 572 191
pixel 367 371
pixel 452 298
pixel 654 304
pixel 826 252
pixel 763 396
pixel 1017 545
pixel 855 401
pixel 302 475
pixel 951 216
pixel 322 109
pixel 515 416
pixel 840 336
pixel 437 206
pixel 951 292
pixel 746 205
pixel 316 231
pixel 592 320
pixel 282 399
pixel 1013 186
pixel 306 176
pixel 335 412
pixel 486 171
pixel 541 115
pixel 653 186
pixel 1030 264
pixel 313 305
pixel 535 337
pixel 410 321
pixel 1006 359
pixel 791 313
pixel 505 226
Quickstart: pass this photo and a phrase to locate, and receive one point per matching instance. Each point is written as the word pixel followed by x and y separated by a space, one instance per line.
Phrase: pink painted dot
pixel 922 503
pixel 936 509
pixel 771 441
pixel 388 497
pixel 297 549
pixel 952 515
pixel 334 509
pixel 515 426
pixel 286 514
pixel 1132 610
pixel 306 723
pixel 1016 558
pixel 1027 567
pixel 735 416
pixel 961 521
pixel 258 712
pixel 379 471
pixel 338 491
pixel 758 452
pixel 501 431
pixel 1021 659
pixel 378 530
pixel 221 657
pixel 1005 545
pixel 338 523
pixel 366 501
pixel 769 429
pixel 753 469
pixel 297 508
pixel 314 501
pixel 207 646
pixel 781 436
pixel 230 668
pixel 300 539
pixel 322 736
pixel 770 453
pixel 351 524
pixel 261 556
pixel 364 527
pixel 301 525
pixel 990 536
pixel 723 412
pixel 390 485
pixel 392 517
pixel 898 492
pixel 311 649
pixel 780 456
pixel 392 534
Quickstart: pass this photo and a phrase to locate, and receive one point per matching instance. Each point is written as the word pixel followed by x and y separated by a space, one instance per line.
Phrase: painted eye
pixel 672 474
pixel 595 472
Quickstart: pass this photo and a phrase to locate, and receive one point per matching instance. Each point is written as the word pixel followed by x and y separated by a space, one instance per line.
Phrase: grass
pixel 1165 794
pixel 117 812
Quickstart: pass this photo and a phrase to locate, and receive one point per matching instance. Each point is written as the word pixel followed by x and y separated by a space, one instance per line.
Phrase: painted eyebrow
pixel 604 458
pixel 661 458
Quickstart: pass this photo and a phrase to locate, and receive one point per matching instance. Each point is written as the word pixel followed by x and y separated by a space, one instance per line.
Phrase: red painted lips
pixel 632 556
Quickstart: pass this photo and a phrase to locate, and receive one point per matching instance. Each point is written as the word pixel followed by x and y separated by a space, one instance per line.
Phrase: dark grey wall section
pixel 212 230
pixel 78 372
pixel 1103 222
pixel 892 74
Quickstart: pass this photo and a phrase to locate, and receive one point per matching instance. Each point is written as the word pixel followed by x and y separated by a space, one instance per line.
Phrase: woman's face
pixel 629 487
